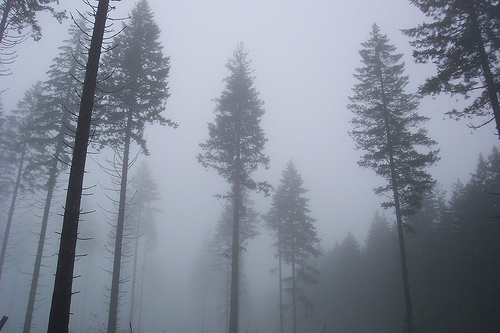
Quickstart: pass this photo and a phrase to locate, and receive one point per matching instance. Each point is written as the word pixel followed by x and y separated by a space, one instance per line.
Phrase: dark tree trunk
pixel 115 282
pixel 61 297
pixel 491 87
pixel 11 209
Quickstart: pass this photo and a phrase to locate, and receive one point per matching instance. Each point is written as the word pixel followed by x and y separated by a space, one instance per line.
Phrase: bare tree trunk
pixel 12 208
pixel 142 289
pixel 115 282
pixel 61 298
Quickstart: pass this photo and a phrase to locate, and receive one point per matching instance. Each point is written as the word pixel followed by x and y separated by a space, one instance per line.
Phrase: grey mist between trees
pixel 249 166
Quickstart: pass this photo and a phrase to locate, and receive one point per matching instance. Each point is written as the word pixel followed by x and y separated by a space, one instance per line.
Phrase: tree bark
pixel 61 297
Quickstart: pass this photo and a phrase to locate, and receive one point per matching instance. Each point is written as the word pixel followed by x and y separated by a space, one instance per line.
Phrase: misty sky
pixel 304 54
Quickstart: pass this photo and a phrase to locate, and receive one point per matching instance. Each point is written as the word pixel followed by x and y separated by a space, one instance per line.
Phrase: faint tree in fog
pixel 61 298
pixel 59 97
pixel 235 149
pixel 140 72
pixel 24 150
pixel 296 238
pixel 16 16
pixel 463 41
pixel 387 126
pixel 142 212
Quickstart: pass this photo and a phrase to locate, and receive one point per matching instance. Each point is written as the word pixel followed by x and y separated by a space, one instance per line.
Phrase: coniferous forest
pixel 249 166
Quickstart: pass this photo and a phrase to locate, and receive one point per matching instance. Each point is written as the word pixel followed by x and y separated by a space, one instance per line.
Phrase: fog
pixel 303 55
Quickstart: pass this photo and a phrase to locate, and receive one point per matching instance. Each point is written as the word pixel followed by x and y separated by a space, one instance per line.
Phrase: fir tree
pixel 235 150
pixel 462 40
pixel 296 237
pixel 141 73
pixel 387 127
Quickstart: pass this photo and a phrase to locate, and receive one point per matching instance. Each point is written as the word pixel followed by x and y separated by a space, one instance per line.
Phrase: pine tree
pixel 296 237
pixel 462 40
pixel 26 152
pixel 61 297
pixel 387 126
pixel 140 72
pixel 235 150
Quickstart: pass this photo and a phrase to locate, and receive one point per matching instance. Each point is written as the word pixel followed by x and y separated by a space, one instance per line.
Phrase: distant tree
pixel 235 149
pixel 296 237
pixel 140 74
pixel 61 297
pixel 17 15
pixel 25 152
pixel 145 193
pixel 59 97
pixel 462 40
pixel 387 126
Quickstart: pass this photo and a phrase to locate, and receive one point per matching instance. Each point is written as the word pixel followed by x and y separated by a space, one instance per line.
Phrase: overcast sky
pixel 304 54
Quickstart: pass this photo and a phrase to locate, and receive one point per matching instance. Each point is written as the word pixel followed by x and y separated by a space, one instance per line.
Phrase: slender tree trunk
pixel 134 272
pixel 115 282
pixel 51 184
pixel 5 16
pixel 235 252
pixel 399 218
pixel 491 87
pixel 12 208
pixel 61 298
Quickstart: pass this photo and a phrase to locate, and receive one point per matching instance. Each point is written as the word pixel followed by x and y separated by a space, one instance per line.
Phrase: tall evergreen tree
pixel 387 126
pixel 296 237
pixel 25 152
pixel 58 98
pixel 140 72
pixel 462 40
pixel 61 297
pixel 235 150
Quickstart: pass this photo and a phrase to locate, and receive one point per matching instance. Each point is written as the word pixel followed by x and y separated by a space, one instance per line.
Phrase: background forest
pixel 155 239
